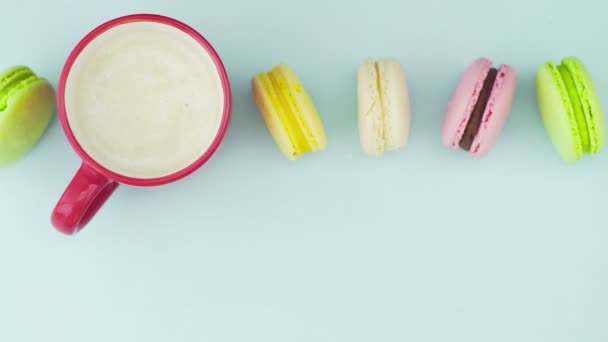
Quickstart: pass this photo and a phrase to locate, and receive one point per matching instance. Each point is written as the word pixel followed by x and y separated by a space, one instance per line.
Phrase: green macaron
pixel 570 109
pixel 27 103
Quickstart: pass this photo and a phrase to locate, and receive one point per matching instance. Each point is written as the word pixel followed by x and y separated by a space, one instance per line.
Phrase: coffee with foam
pixel 144 100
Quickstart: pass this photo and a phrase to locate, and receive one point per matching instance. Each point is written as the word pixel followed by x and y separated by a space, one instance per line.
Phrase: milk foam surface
pixel 144 100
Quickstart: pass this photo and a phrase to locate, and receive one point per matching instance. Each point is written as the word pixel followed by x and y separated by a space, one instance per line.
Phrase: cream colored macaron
pixel 384 106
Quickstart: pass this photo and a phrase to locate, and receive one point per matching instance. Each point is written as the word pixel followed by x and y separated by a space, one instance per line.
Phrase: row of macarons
pixel 475 115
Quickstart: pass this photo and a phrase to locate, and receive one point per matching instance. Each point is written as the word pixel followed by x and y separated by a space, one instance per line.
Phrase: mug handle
pixel 85 194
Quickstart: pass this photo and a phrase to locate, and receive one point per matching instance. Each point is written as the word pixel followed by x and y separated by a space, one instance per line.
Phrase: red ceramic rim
pixel 141 181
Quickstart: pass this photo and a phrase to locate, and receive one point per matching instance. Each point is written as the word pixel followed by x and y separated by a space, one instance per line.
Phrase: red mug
pixel 93 184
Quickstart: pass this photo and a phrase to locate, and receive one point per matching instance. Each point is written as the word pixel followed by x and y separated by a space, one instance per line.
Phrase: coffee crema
pixel 144 100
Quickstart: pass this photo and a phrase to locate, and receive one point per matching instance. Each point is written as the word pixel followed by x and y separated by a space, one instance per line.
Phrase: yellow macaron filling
pixel 285 107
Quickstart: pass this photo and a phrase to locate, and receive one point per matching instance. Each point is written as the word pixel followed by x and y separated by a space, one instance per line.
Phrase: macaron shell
pixel 461 104
pixel 557 113
pixel 25 119
pixel 396 104
pixel 383 105
pixel 370 112
pixel 590 103
pixel 497 111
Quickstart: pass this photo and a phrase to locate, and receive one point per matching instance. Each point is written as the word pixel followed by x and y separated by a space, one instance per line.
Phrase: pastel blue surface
pixel 422 245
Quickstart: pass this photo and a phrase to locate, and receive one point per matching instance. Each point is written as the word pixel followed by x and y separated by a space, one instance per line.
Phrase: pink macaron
pixel 479 107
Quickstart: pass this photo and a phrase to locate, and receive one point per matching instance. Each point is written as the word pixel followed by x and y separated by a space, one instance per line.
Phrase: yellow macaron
pixel 288 112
